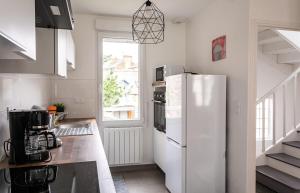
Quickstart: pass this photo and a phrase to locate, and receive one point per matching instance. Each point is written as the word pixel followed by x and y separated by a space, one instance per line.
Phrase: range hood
pixel 55 14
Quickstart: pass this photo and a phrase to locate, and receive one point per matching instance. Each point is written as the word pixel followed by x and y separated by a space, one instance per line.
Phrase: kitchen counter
pixel 79 149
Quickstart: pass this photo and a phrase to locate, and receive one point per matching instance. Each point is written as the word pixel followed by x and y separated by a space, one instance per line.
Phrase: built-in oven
pixel 159 109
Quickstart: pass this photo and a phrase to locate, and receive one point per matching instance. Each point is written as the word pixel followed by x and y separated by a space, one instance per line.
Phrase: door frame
pixel 252 78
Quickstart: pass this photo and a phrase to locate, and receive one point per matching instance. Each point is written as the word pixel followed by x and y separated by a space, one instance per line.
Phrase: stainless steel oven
pixel 159 109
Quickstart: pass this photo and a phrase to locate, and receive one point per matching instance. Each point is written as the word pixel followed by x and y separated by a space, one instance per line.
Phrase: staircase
pixel 278 119
pixel 281 44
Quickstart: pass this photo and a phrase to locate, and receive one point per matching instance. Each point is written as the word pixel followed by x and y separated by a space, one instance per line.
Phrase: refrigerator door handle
pixel 156 101
pixel 175 143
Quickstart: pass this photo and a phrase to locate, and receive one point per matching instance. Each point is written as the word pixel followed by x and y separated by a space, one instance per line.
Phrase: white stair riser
pixel 292 151
pixel 267 37
pixel 286 168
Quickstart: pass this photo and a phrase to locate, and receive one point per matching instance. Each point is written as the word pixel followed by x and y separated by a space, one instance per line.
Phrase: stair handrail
pixel 270 92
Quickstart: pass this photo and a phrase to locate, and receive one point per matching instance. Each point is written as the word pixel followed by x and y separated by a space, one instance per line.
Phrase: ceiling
pixel 173 9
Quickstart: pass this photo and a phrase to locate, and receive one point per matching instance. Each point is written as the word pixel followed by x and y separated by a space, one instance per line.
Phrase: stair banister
pixel 284 110
pixel 274 119
pixel 263 128
pixel 272 95
pixel 269 93
pixel 295 99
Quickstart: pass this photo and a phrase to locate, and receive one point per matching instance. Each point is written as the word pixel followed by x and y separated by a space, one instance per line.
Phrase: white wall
pixel 21 92
pixel 280 12
pixel 79 90
pixel 230 18
pixel 269 72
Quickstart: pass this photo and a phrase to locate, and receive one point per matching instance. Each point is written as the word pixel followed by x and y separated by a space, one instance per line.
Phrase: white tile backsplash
pixel 85 108
pixel 78 95
pixel 75 88
pixel 21 92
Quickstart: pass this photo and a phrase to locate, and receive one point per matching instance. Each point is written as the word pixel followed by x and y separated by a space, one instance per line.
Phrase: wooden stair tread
pixel 285 158
pixel 292 143
pixel 278 176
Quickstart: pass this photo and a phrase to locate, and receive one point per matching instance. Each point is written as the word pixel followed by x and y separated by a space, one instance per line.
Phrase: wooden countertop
pixel 79 149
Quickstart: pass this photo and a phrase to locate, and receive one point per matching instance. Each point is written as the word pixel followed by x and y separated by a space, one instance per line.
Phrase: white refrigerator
pixel 196 133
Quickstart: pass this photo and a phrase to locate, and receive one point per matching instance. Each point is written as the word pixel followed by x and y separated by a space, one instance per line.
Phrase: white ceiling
pixel 173 9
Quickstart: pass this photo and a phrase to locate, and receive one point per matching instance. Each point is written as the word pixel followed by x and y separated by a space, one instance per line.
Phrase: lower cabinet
pixel 160 143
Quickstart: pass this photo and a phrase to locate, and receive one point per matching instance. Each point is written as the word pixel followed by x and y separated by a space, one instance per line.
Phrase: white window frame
pixel 259 119
pixel 142 80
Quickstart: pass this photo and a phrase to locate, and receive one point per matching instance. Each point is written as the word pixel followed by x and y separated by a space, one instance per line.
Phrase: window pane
pixel 121 85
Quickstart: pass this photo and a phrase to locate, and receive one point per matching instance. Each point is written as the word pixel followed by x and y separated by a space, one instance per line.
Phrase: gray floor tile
pixel 153 181
pixel 147 181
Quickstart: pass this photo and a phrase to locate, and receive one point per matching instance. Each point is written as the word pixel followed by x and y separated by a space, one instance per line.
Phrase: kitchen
pixel 69 53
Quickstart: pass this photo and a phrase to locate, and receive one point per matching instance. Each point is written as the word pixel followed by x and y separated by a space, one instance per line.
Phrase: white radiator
pixel 123 145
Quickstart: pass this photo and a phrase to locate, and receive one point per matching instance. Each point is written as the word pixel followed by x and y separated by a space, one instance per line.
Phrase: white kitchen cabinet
pixel 70 51
pixel 160 143
pixel 61 52
pixel 17 29
pixel 51 55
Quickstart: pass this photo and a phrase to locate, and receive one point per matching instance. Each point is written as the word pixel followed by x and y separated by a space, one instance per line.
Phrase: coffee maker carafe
pixel 27 129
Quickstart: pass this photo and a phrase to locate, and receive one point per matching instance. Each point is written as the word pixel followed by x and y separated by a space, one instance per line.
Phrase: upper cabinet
pixel 35 37
pixel 52 55
pixel 60 52
pixel 17 29
pixel 70 51
pixel 55 14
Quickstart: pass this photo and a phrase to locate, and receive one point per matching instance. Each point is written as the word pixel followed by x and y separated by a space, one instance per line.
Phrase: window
pixel 264 119
pixel 121 96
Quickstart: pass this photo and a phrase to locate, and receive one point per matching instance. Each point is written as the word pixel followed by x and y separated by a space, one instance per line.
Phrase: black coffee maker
pixel 28 131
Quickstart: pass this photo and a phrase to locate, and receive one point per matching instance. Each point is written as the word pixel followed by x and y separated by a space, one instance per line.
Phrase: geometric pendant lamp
pixel 148 24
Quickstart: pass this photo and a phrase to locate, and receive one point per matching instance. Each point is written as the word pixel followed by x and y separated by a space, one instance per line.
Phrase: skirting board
pixel 131 168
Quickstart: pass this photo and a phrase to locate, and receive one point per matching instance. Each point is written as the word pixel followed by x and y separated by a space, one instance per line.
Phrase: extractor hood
pixel 54 14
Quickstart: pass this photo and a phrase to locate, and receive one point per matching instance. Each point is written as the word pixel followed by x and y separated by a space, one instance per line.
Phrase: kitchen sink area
pixel 73 129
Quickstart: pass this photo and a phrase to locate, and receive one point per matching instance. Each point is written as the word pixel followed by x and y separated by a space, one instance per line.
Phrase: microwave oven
pixel 167 70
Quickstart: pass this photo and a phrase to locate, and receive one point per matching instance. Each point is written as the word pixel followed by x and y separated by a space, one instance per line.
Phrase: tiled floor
pixel 153 181
pixel 146 181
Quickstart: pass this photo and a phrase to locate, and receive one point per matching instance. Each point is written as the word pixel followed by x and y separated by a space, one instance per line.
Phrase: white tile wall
pixel 79 107
pixel 79 96
pixel 21 91
pixel 74 88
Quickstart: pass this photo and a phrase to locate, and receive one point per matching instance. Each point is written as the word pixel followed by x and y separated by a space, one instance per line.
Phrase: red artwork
pixel 219 48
